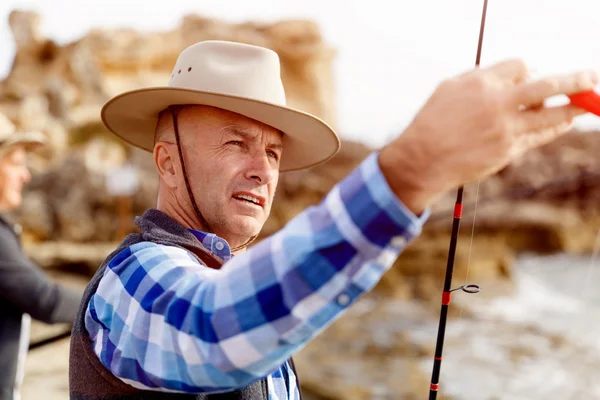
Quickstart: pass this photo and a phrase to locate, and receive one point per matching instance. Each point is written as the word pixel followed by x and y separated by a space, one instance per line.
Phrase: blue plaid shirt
pixel 161 321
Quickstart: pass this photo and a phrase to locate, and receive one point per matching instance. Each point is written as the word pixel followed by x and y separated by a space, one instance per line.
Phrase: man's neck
pixel 182 217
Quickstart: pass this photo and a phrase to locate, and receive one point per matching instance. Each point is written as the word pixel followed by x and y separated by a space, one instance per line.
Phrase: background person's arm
pixel 24 285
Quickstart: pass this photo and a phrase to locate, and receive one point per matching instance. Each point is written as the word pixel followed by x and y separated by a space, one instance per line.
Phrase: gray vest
pixel 88 378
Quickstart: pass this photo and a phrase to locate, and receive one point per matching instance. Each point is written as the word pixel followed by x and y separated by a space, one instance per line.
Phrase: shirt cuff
pixel 385 198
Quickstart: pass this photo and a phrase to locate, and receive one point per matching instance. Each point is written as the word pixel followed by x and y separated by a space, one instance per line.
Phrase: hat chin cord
pixel 189 189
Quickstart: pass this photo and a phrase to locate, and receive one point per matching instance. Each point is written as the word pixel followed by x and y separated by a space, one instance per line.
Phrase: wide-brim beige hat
pixel 237 77
pixel 9 137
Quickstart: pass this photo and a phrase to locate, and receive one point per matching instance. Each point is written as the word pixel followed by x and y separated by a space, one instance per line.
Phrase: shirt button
pixel 399 241
pixel 343 299
pixel 219 245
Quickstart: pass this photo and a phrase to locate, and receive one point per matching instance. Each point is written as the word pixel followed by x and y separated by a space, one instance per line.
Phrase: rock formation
pixel 549 201
pixel 59 90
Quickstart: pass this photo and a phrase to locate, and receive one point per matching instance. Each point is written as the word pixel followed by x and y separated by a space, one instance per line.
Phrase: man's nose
pixel 26 175
pixel 261 170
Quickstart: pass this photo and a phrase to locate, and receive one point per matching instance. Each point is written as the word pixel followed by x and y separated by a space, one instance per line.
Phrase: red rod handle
pixel 589 101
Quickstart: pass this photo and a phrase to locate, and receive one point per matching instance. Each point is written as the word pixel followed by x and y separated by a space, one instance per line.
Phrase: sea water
pixel 539 340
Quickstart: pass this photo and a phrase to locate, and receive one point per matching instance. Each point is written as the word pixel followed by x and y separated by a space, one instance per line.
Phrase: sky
pixel 390 54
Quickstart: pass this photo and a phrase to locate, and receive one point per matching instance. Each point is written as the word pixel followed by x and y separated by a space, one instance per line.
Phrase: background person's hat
pixel 9 136
pixel 237 77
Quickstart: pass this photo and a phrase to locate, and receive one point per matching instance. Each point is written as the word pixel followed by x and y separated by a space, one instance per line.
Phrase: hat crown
pixel 232 76
pixel 230 68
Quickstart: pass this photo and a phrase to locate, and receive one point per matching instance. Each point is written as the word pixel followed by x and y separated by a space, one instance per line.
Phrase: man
pixel 25 291
pixel 183 310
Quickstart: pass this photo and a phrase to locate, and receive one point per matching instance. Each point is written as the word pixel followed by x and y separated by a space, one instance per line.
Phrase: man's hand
pixel 475 124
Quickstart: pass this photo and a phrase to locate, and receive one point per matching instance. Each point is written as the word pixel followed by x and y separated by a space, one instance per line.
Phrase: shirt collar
pixel 214 243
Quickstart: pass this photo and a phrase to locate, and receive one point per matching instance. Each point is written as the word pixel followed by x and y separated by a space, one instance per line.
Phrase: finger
pixel 534 121
pixel 525 143
pixel 512 70
pixel 534 93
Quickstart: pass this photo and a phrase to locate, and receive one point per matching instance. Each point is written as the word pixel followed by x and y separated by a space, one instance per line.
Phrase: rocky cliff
pixel 59 90
pixel 548 202
pixel 51 84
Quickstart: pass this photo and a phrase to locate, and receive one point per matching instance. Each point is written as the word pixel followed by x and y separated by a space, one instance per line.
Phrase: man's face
pixel 232 163
pixel 13 175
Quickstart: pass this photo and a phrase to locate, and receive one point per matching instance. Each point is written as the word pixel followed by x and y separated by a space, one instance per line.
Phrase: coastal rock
pixel 79 204
pixel 59 89
pixel 367 354
pixel 69 83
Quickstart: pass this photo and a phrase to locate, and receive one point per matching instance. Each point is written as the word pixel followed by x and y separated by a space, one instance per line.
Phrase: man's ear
pixel 165 163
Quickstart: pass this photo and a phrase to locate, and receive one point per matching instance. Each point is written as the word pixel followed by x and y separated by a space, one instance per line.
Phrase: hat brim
pixel 307 142
pixel 30 140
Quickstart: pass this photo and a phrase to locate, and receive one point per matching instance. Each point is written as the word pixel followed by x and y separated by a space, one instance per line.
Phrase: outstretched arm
pixel 193 329
pixel 162 322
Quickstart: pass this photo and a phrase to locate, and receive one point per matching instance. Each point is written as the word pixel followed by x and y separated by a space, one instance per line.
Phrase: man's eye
pixel 235 142
pixel 273 154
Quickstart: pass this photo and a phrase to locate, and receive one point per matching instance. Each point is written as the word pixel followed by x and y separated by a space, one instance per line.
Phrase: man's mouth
pixel 250 198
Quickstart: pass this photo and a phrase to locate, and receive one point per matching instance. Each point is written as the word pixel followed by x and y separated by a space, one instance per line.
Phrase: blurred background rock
pixel 78 206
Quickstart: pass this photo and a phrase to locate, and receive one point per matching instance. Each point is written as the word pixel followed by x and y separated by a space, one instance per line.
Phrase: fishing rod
pixel 588 100
pixel 447 293
pixel 50 340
